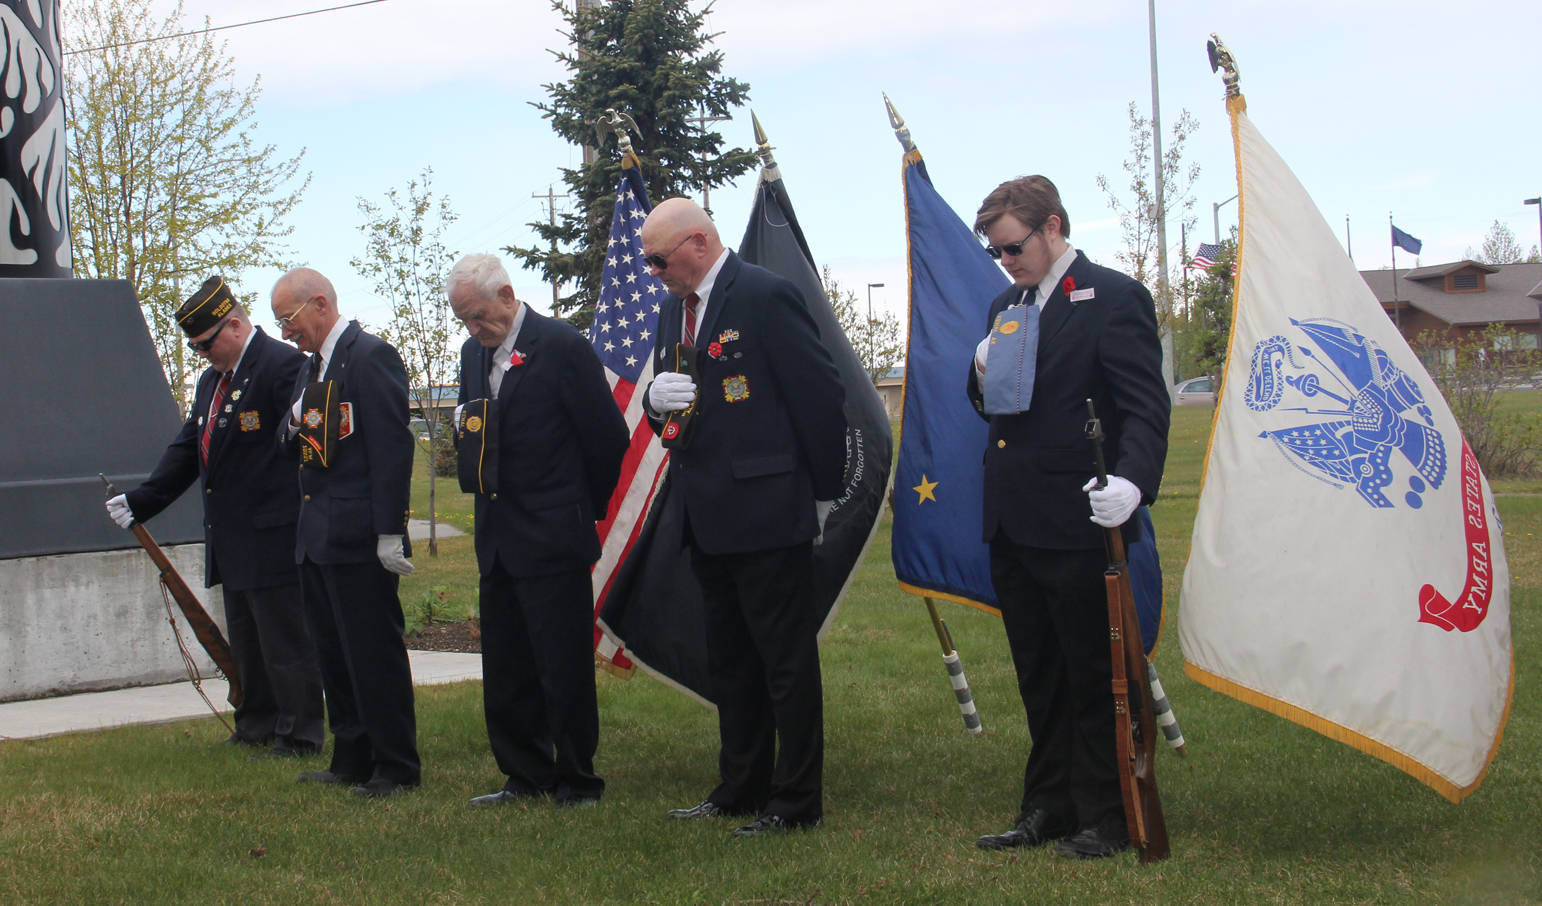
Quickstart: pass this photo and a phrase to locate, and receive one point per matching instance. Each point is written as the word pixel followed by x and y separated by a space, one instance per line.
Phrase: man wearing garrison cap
pixel 250 506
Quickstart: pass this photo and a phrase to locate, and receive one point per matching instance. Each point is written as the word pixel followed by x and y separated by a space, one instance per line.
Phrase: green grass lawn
pixel 1262 811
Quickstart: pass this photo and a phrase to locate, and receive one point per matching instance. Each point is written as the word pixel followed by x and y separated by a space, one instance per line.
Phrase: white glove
pixel 118 509
pixel 1112 505
pixel 671 392
pixel 980 354
pixel 389 549
pixel 822 512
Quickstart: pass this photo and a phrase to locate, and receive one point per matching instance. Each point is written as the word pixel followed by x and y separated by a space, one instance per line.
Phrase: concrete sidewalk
pixel 179 701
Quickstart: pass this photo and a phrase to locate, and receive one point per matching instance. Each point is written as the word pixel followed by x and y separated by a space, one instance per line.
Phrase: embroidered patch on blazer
pixel 736 388
pixel 312 418
pixel 251 420
pixel 344 420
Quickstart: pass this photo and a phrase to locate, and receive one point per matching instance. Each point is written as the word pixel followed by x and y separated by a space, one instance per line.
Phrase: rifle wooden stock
pixel 1135 728
pixel 204 628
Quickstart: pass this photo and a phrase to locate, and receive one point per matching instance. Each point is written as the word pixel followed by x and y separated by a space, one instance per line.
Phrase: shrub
pixel 1471 372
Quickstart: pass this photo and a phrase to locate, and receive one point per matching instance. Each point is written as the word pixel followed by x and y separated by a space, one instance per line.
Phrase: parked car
pixel 1198 391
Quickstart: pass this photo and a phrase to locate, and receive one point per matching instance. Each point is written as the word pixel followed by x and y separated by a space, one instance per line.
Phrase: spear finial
pixel 901 131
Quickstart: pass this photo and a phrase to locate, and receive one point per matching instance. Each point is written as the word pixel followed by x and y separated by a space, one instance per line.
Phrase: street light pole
pixel 1538 202
pixel 1215 215
pixel 870 355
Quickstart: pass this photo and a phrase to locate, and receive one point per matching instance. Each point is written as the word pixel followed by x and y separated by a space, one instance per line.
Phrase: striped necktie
pixel 691 302
pixel 214 411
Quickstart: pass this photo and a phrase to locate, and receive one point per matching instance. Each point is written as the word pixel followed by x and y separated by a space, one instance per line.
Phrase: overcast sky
pixel 1416 108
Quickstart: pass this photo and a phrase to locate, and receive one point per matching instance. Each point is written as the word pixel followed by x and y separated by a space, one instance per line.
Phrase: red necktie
pixel 214 411
pixel 691 302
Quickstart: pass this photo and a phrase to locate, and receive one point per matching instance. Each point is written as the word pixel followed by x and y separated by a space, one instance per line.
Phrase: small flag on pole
pixel 1204 256
pixel 1405 242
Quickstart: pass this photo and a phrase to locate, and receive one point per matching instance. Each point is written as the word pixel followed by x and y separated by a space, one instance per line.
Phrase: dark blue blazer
pixel 770 433
pixel 1105 349
pixel 249 501
pixel 364 492
pixel 561 440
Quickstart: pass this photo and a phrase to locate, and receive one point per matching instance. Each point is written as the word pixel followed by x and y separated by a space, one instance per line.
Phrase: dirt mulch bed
pixel 463 636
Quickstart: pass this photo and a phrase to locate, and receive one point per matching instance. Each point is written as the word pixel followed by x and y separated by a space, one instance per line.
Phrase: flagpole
pixel 1397 309
pixel 1349 246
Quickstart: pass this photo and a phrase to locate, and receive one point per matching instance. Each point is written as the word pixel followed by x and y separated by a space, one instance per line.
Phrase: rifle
pixel 1134 725
pixel 204 627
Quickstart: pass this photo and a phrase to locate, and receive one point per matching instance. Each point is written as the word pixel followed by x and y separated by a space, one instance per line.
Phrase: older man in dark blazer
pixel 764 460
pixel 542 440
pixel 348 422
pixel 1044 518
pixel 249 504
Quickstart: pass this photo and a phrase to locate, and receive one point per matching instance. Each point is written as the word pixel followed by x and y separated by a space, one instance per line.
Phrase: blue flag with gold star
pixel 939 479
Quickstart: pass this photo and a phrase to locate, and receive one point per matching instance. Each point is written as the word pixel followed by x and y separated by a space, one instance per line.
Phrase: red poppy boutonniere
pixel 715 349
pixel 1068 285
pixel 515 359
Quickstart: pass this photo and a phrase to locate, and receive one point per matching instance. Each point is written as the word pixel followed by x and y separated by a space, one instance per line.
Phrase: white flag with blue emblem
pixel 1347 569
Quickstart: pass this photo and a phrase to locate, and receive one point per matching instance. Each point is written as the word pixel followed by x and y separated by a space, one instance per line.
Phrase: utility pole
pixel 701 119
pixel 551 218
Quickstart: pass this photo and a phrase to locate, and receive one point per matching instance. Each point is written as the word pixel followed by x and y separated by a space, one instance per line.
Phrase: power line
pixel 204 31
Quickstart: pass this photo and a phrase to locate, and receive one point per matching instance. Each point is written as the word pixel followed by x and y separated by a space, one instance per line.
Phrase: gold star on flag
pixel 925 489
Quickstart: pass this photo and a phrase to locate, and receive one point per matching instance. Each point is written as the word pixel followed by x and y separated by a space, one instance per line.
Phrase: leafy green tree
pixel 1499 247
pixel 1471 371
pixel 652 60
pixel 406 258
pixel 876 340
pixel 1138 214
pixel 166 185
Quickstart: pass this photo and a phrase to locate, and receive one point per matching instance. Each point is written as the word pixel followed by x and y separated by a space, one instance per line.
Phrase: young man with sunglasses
pixel 766 456
pixel 250 507
pixel 1066 331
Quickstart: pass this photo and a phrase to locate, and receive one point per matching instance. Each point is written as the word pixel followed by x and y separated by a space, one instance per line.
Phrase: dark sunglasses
pixel 205 345
pixel 661 262
pixel 1012 248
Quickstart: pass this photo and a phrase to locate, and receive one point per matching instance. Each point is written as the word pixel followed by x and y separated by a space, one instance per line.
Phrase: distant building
pixel 891 387
pixel 1462 298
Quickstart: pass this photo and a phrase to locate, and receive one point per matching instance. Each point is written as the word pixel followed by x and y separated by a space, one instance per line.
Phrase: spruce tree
pixel 649 59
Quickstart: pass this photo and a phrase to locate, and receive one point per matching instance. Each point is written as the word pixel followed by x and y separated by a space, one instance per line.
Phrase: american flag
pixel 625 320
pixel 1204 256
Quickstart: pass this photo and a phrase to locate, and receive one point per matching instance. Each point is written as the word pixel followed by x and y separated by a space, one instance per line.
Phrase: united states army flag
pixel 1347 569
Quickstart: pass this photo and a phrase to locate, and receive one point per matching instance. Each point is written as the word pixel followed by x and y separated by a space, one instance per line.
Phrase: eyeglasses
pixel 661 262
pixel 288 319
pixel 206 345
pixel 1012 248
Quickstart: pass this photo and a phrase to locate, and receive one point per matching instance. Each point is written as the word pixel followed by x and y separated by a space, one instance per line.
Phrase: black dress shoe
pixel 328 777
pixel 577 801
pixel 504 797
pixel 1092 843
pixel 1036 828
pixel 706 808
pixel 771 824
pixel 380 788
pixel 236 739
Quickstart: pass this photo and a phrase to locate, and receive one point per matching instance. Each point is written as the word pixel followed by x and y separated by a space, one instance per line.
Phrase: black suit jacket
pixel 364 492
pixel 561 440
pixel 770 434
pixel 1106 349
pixel 249 502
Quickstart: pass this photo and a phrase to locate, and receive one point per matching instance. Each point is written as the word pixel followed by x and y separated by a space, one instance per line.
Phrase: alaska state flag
pixel 1347 569
pixel 939 479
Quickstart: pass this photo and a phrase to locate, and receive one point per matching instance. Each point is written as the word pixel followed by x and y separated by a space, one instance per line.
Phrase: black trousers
pixel 276 660
pixel 538 681
pixel 356 621
pixel 1055 611
pixel 763 658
